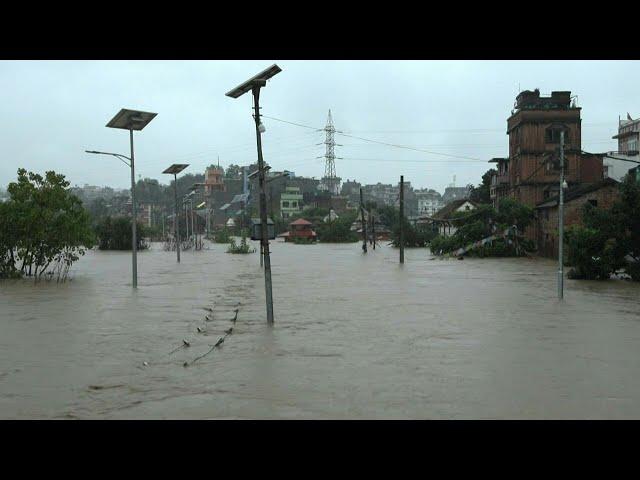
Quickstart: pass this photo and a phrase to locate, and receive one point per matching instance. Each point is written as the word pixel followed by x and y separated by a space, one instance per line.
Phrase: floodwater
pixel 355 337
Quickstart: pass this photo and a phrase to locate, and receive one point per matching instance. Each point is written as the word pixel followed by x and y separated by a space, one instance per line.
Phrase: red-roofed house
pixel 302 229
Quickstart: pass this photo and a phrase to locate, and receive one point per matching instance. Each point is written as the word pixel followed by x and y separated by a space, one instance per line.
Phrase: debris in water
pixel 146 364
pixel 185 343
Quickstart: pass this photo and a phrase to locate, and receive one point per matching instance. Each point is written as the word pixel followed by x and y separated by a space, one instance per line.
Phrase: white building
pixel 429 201
pixel 628 144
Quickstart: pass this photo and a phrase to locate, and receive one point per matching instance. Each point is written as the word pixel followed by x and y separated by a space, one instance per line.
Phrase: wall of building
pixel 547 218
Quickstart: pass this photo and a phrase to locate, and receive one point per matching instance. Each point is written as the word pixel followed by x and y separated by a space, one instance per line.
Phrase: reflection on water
pixel 356 336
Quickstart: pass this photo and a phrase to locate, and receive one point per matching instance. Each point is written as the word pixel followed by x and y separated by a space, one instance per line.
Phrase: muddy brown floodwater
pixel 356 337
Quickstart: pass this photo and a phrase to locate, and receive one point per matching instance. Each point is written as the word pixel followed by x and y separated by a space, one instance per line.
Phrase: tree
pixel 338 230
pixel 484 221
pixel 115 234
pixel 482 193
pixel 233 172
pixel 47 225
pixel 609 239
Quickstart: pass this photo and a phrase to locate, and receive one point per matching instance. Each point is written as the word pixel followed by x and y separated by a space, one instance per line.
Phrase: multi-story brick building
pixel 532 168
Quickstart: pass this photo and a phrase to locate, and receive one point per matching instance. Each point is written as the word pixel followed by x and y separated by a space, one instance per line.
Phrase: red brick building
pixel 602 194
pixel 531 174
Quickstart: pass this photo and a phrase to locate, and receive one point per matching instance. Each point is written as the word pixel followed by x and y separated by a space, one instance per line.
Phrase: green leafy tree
pixel 48 225
pixel 475 225
pixel 609 239
pixel 233 172
pixel 338 230
pixel 482 193
pixel 114 233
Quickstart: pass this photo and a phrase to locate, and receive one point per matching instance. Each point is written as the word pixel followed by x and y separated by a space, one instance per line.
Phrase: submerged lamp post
pixel 254 84
pixel 561 129
pixel 174 170
pixel 130 120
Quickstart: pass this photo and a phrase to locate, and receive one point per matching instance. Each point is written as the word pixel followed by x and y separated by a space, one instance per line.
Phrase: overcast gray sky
pixel 54 110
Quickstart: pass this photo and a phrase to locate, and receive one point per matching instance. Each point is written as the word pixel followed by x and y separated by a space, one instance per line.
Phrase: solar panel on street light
pixel 176 168
pixel 131 119
pixel 248 85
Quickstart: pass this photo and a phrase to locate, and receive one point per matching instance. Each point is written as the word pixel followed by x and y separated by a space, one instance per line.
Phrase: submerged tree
pixel 43 225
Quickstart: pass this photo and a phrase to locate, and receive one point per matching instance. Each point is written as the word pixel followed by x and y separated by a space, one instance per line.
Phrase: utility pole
pixel 364 224
pixel 401 218
pixel 561 220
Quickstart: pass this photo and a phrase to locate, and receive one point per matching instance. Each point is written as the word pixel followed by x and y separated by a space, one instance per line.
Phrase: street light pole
pixel 176 223
pixel 254 85
pixel 263 208
pixel 561 220
pixel 174 170
pixel 134 216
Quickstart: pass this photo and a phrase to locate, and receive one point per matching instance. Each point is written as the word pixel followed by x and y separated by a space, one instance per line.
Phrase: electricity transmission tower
pixel 330 181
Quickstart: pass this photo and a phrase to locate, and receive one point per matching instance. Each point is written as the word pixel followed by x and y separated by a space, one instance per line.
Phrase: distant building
pixel 429 201
pixel 214 179
pixel 290 202
pixel 452 193
pixel 442 218
pixel 628 144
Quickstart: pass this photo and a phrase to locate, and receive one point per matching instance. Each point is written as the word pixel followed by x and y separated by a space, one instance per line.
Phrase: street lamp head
pixel 565 185
pixel 261 128
pixel 259 80
pixel 131 119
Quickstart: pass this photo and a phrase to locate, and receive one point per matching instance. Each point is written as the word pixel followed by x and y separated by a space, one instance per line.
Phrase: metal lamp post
pixel 174 170
pixel 254 85
pixel 561 129
pixel 130 120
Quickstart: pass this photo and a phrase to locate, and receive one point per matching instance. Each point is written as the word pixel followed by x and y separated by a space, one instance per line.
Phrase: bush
pixel 242 248
pixel 591 253
pixel 222 236
pixel 338 230
pixel 633 270
pixel 115 234
pixel 303 241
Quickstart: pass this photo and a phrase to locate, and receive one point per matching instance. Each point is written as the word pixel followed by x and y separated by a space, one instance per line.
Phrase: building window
pixel 553 136
pixel 594 202
pixel 285 204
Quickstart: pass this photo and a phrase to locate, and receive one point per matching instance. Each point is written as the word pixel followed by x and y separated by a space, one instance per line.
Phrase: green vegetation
pixel 338 230
pixel 222 236
pixel 243 247
pixel 483 222
pixel 413 236
pixel 334 231
pixel 609 239
pixel 482 193
pixel 42 225
pixel 114 233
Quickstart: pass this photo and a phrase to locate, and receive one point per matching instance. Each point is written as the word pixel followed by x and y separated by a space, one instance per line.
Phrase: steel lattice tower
pixel 330 179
